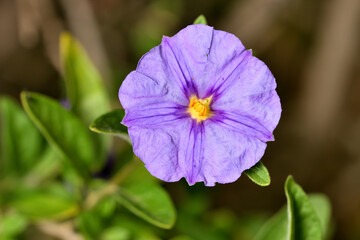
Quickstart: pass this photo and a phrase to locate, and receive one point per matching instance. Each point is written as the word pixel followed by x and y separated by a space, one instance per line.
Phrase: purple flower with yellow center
pixel 200 106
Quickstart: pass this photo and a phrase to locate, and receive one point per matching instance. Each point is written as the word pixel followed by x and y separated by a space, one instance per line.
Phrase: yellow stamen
pixel 199 109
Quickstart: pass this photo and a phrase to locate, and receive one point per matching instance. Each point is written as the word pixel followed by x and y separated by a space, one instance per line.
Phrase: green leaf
pixel 21 142
pixel 92 222
pixel 116 233
pixel 322 207
pixel 139 173
pixel 150 202
pixel 48 166
pixel 90 225
pixel 110 123
pixel 51 202
pixel 304 223
pixel 84 84
pixel 62 129
pixel 85 88
pixel 275 228
pixel 12 224
pixel 138 229
pixel 200 20
pixel 259 174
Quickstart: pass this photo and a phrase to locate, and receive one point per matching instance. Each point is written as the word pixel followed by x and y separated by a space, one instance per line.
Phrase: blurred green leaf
pixel 12 224
pixel 62 129
pixel 90 225
pixel 84 84
pixel 116 233
pixel 106 220
pixel 275 228
pixel 106 207
pixel 181 237
pixel 259 174
pixel 21 142
pixel 139 229
pixel 194 220
pixel 139 173
pixel 85 88
pixel 248 225
pixel 110 123
pixel 51 202
pixel 197 228
pixel 48 165
pixel 304 223
pixel 150 202
pixel 322 207
pixel 93 221
pixel 200 20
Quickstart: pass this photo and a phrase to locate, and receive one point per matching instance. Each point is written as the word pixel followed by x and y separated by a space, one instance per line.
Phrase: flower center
pixel 199 109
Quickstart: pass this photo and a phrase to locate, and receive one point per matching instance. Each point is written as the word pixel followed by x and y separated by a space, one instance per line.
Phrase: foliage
pixel 259 174
pixel 305 217
pixel 200 20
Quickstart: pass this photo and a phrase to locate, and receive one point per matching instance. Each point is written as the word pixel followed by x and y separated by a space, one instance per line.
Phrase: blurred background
pixel 311 47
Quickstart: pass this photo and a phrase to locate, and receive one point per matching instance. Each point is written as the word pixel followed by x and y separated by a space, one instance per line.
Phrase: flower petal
pixel 153 117
pixel 187 54
pixel 243 124
pixel 249 92
pixel 205 152
pixel 157 67
pixel 147 102
pixel 158 149
pixel 227 154
pixel 210 153
pixel 245 75
pixel 224 50
pixel 191 151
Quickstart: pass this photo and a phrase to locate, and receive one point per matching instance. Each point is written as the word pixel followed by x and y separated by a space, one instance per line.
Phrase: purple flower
pixel 200 106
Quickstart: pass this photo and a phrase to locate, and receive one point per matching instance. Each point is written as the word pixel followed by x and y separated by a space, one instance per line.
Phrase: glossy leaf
pixel 110 123
pixel 150 202
pixel 53 202
pixel 259 174
pixel 21 142
pixel 85 88
pixel 304 223
pixel 62 129
pixel 200 20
